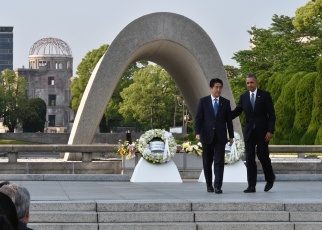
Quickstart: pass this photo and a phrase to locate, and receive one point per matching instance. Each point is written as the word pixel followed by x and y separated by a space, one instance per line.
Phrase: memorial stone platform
pixel 125 205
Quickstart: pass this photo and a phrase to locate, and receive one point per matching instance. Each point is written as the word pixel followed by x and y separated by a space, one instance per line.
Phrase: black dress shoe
pixel 250 190
pixel 218 190
pixel 210 189
pixel 269 185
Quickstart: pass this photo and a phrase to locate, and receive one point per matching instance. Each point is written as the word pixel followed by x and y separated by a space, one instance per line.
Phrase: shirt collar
pixel 213 98
pixel 255 92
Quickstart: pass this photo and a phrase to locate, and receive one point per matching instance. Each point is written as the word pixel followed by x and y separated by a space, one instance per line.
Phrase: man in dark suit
pixel 212 120
pixel 258 131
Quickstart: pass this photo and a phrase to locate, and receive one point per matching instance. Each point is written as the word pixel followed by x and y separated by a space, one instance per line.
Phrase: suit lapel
pixel 210 105
pixel 220 104
pixel 258 97
pixel 249 105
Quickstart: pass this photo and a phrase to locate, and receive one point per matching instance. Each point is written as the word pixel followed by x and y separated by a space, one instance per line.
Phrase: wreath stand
pixel 232 173
pixel 148 172
pixel 235 172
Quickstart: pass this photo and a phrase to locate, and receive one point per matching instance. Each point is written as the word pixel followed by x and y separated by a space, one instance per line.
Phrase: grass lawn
pixel 15 142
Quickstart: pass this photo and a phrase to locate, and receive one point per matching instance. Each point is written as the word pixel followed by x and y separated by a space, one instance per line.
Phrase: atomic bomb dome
pixel 50 46
pixel 48 77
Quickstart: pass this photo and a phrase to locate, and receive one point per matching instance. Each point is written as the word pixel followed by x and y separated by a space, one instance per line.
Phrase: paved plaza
pixel 189 190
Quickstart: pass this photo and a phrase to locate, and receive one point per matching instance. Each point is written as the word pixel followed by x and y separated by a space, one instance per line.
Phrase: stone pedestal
pixel 233 173
pixel 147 172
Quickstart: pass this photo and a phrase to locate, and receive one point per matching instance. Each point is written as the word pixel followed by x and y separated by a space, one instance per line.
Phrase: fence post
pixel 86 157
pixel 12 157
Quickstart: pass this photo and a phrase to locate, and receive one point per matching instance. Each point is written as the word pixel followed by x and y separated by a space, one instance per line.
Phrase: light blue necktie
pixel 252 101
pixel 216 106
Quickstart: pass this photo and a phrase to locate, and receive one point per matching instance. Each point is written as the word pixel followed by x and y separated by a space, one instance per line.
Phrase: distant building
pixel 6 47
pixel 48 77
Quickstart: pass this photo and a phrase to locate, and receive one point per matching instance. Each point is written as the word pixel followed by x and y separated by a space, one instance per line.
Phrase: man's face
pixel 251 84
pixel 216 90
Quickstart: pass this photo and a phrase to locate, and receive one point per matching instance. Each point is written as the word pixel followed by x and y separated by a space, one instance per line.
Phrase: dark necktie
pixel 216 106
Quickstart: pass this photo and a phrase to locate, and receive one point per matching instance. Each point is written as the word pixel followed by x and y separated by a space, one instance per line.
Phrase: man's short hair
pixel 214 81
pixel 20 197
pixel 252 76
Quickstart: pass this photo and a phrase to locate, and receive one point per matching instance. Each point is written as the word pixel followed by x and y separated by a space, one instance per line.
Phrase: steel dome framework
pixel 50 46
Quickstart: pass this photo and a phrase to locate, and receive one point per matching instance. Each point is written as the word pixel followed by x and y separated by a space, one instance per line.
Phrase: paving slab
pixel 293 192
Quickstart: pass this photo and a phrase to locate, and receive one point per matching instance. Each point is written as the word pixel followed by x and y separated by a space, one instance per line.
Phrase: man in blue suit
pixel 212 120
pixel 258 131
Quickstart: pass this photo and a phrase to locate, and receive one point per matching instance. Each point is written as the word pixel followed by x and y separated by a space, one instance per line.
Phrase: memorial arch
pixel 174 42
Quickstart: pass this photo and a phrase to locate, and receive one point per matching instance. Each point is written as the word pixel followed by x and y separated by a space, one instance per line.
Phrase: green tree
pixel 232 72
pixel 308 19
pixel 285 111
pixel 303 105
pixel 35 116
pixel 114 118
pixel 84 70
pixel 277 49
pixel 14 100
pixel 150 98
pixel 313 134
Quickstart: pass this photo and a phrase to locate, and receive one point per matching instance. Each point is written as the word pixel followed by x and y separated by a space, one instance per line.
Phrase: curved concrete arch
pixel 174 42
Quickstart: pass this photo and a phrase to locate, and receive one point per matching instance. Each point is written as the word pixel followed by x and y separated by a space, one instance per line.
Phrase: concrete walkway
pixel 189 190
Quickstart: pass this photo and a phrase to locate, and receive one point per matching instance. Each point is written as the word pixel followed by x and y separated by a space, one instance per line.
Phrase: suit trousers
pixel 213 153
pixel 257 144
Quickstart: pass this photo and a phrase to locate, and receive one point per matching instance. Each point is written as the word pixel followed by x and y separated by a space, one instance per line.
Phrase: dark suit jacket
pixel 206 124
pixel 23 226
pixel 263 116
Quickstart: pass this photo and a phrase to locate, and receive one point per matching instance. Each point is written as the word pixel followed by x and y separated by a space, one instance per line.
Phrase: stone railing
pixel 301 150
pixel 87 149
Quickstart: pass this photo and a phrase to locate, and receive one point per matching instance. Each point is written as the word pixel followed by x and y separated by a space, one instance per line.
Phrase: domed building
pixel 48 77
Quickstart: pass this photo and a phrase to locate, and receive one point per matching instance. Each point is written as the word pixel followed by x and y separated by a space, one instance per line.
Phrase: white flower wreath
pixel 157 157
pixel 235 152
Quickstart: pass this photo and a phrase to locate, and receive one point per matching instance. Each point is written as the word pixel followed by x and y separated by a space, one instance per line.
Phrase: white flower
pixel 154 157
pixel 232 155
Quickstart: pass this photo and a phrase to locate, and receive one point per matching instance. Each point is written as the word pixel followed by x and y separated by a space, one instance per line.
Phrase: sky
pixel 86 25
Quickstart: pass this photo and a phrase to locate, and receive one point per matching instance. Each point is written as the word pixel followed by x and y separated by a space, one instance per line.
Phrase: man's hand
pixel 198 137
pixel 231 141
pixel 268 136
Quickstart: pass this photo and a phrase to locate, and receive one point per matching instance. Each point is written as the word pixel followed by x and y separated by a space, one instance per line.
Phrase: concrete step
pixel 168 215
pixel 147 217
pixel 241 216
pixel 63 217
pixel 84 205
pixel 63 226
pixel 243 225
pixel 148 226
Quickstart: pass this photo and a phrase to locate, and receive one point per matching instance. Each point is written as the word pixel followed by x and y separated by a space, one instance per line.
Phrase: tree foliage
pixel 313 135
pixel 35 116
pixel 285 111
pixel 285 59
pixel 14 99
pixel 84 70
pixel 277 49
pixel 150 98
pixel 303 105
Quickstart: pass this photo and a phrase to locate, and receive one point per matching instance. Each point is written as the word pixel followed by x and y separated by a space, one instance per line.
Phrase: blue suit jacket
pixel 207 124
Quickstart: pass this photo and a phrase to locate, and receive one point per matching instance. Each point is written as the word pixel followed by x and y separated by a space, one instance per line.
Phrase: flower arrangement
pixel 187 147
pixel 236 151
pixel 143 146
pixel 128 150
